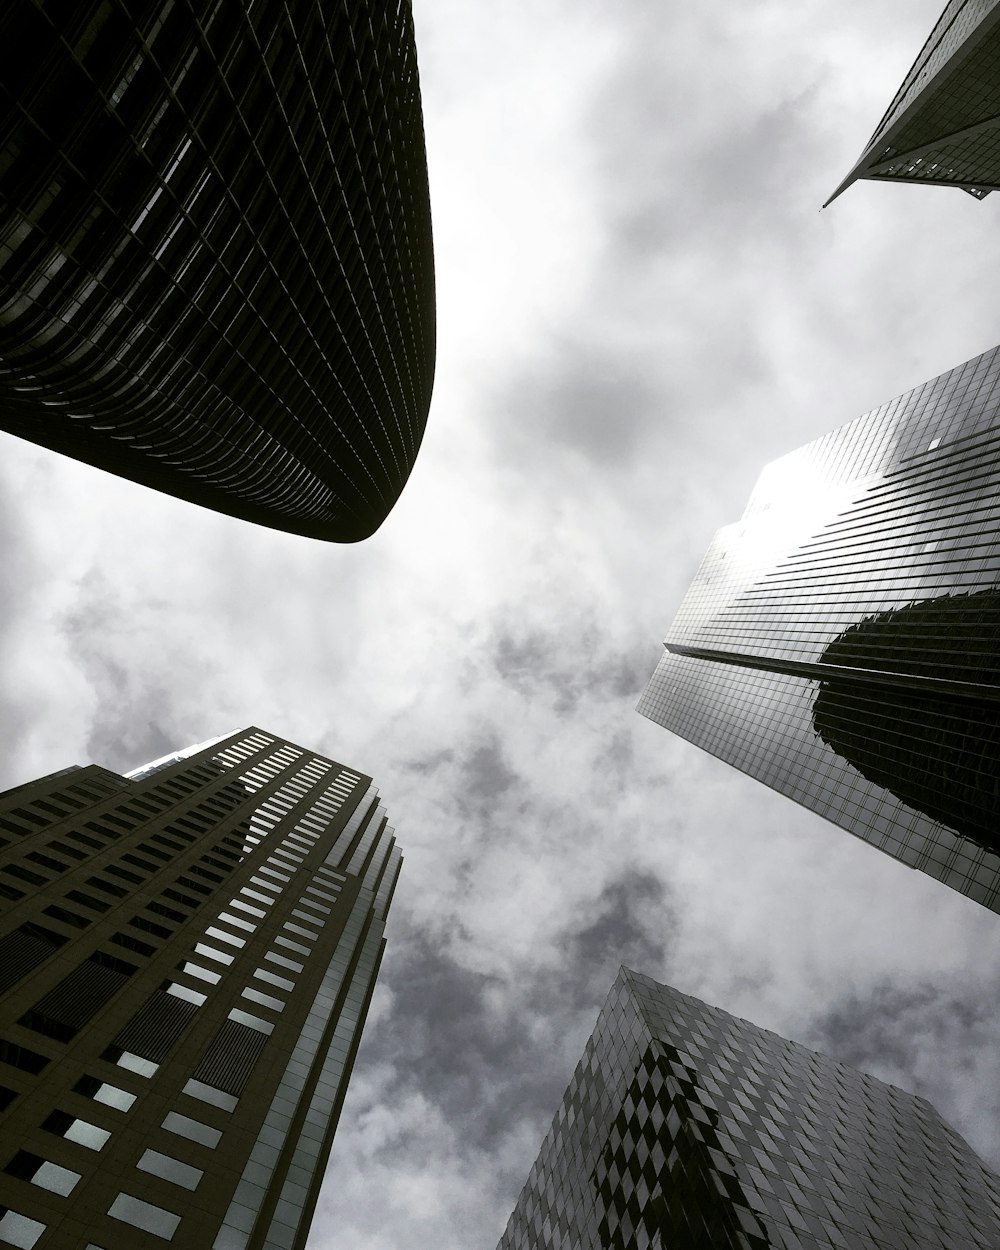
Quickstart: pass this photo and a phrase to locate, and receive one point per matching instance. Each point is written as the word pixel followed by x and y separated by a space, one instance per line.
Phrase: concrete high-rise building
pixel 216 267
pixel 943 126
pixel 187 956
pixel 686 1127
pixel 841 643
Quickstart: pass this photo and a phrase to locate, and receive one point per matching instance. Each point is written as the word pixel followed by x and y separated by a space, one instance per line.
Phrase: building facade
pixel 187 955
pixel 841 643
pixel 685 1127
pixel 216 266
pixel 943 125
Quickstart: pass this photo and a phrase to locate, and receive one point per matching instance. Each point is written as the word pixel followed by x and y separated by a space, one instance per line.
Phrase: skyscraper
pixel 216 269
pixel 686 1127
pixel 943 125
pixel 186 961
pixel 841 643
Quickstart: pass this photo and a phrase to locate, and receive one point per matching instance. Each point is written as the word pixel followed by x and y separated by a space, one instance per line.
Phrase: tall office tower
pixel 187 955
pixel 943 126
pixel 216 271
pixel 685 1127
pixel 841 643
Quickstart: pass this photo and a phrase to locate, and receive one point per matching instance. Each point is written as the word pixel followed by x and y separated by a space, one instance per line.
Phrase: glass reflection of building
pixel 187 956
pixel 686 1127
pixel 943 125
pixel 841 643
pixel 216 263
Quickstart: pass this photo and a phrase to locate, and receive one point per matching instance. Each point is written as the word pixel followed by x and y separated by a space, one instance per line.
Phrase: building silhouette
pixel 216 268
pixel 943 125
pixel 841 643
pixel 187 955
pixel 685 1126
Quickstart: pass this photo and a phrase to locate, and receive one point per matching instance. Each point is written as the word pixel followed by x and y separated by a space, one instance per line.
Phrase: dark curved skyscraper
pixel 216 268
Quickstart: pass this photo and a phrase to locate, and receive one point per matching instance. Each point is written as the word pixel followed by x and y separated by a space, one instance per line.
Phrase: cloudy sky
pixel 640 303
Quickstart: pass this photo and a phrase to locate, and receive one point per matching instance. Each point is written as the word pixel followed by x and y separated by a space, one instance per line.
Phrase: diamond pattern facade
pixel 685 1128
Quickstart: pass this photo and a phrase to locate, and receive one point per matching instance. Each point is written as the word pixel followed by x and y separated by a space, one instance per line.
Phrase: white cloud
pixel 640 304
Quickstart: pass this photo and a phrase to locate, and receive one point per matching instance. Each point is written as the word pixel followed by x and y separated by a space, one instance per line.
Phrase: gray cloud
pixel 929 1038
pixel 133 718
pixel 453 1038
pixel 640 304
pixel 564 668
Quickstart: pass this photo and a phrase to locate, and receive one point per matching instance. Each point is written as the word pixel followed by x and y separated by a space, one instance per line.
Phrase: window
pixel 131 943
pixel 150 926
pixel 302 932
pixel 180 898
pixel 272 979
pixel 100 1091
pixel 30 1167
pixel 144 1215
pixel 168 912
pixel 100 884
pixel 170 1169
pixel 24 874
pixel 237 922
pixel 193 1130
pixel 63 849
pixel 85 900
pixel 182 991
pixel 203 974
pixel 21 1057
pixel 211 953
pixel 208 1093
pixel 85 840
pixel 265 1000
pixel 80 1131
pixel 18 1230
pixel 283 962
pixel 252 1022
pixel 131 1063
pixel 67 917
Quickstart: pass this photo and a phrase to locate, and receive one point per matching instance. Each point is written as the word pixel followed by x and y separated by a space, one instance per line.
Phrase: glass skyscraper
pixel 187 956
pixel 686 1127
pixel 216 266
pixel 841 643
pixel 943 125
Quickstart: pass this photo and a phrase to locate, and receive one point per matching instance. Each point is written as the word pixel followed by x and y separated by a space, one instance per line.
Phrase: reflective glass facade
pixel 841 643
pixel 216 268
pixel 186 961
pixel 685 1127
pixel 943 126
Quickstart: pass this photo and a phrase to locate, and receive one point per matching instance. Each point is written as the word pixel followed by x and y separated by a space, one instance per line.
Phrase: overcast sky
pixel 639 304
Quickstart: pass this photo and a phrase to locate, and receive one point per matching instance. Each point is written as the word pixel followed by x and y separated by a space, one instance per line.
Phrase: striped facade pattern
pixel 188 956
pixel 216 267
pixel 841 643
pixel 943 125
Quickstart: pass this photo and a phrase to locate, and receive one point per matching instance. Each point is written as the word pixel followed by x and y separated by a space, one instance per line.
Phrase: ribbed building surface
pixel 685 1128
pixel 216 269
pixel 186 961
pixel 943 126
pixel 841 643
